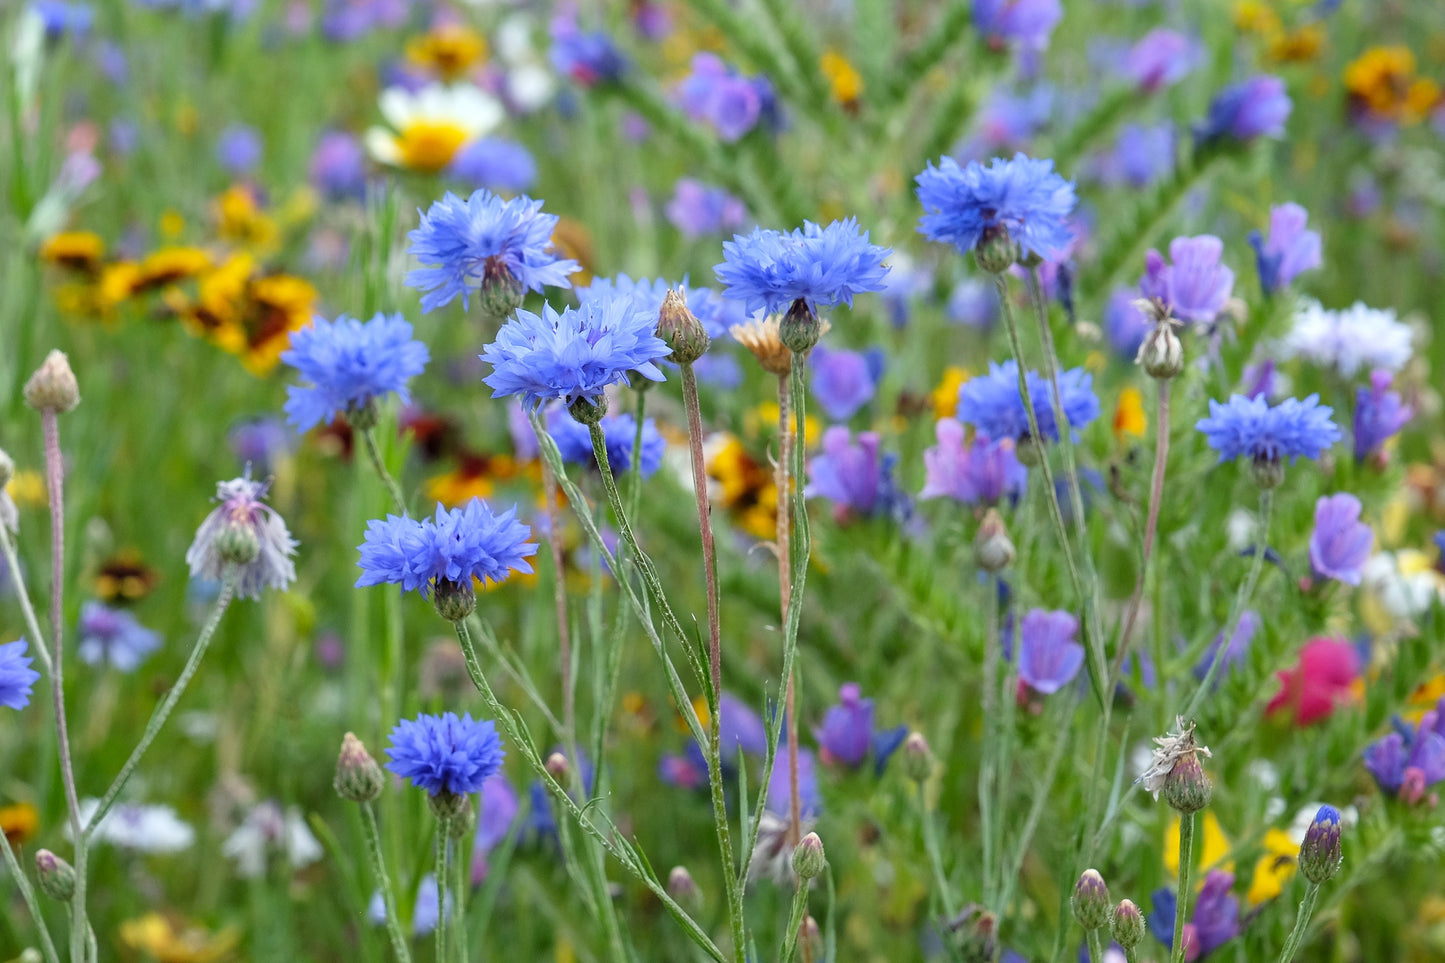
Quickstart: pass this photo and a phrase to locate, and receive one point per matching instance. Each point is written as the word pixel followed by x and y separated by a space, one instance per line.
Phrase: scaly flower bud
pixel 808 859
pixel 996 251
pixel 992 549
pixel 501 292
pixel 447 805
pixel 1161 354
pixel 1091 901
pixel 1128 926
pixel 454 601
pixel 917 757
pixel 588 412
pixel 1267 472
pixel 1187 787
pixel 800 328
pixel 53 386
pixel 557 766
pixel 681 329
pixel 683 888
pixel 1319 855
pixel 358 777
pixel 57 878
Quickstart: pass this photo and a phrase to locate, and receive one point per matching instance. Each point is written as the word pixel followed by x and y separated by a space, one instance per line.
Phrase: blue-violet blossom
pixel 455 546
pixel 445 753
pixel 770 270
pixel 1023 195
pixel 349 365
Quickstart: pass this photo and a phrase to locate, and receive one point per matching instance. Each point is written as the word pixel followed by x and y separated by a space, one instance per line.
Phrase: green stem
pixel 1005 729
pixel 1042 796
pixel 1186 871
pixel 935 853
pixel 443 877
pixel 564 632
pixel 373 454
pixel 383 882
pixel 1151 526
pixel 460 885
pixel 783 484
pixel 615 847
pixel 1095 940
pixel 27 609
pixel 795 922
pixel 27 892
pixel 1301 923
pixel 168 704
pixel 798 39
pixel 987 770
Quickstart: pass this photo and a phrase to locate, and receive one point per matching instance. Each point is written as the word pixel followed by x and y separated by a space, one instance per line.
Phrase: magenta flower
pixel 1341 543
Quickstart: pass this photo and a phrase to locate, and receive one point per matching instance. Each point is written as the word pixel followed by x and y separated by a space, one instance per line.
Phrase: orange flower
pixel 1129 415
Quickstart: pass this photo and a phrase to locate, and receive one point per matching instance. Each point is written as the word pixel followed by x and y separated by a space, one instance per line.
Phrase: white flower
pixel 1403 582
pixel 428 127
pixel 241 518
pixel 530 80
pixel 1356 338
pixel 1168 750
pixel 266 827
pixel 146 829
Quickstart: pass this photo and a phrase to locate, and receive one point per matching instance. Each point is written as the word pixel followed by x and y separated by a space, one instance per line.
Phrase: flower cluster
pixel 1351 339
pixel 992 402
pixel 456 546
pixel 717 95
pixel 1409 760
pixel 982 472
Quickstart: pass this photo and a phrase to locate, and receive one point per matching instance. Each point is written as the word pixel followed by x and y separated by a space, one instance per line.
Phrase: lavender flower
pixel 1290 251
pixel 1379 415
pixel 1257 107
pixel 444 753
pixel 844 381
pixel 114 636
pixel 1048 657
pixel 1022 195
pixel 1026 24
pixel 810 800
pixel 1351 339
pixel 575 355
pixel 770 270
pixel 981 473
pixel 588 57
pixel 1140 156
pixel 1216 912
pixel 1249 426
pixel 497 811
pixel 16 676
pixel 260 442
pixel 455 547
pixel 245 537
pixel 495 164
pixel 1233 653
pixel 426 912
pixel 848 735
pixel 716 95
pixel 481 238
pixel 992 402
pixel 1195 287
pixel 574 441
pixel 1340 544
pixel 239 148
pixel 338 166
pixel 1410 755
pixel 973 303
pixel 349 366
pixel 697 209
pixel 852 476
pixel 1160 59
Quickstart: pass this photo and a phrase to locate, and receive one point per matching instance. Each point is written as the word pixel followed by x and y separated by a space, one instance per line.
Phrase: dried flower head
pixel 762 337
pixel 247 536
pixel 1169 750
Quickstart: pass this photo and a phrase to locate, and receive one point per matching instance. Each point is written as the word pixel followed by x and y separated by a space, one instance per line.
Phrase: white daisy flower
pixel 429 127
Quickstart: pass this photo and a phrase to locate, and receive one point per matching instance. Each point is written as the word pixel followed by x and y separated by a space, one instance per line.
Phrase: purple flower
pixel 981 473
pixel 445 753
pixel 1257 107
pixel 346 365
pixel 1023 195
pixel 1410 754
pixel 1290 251
pixel 740 729
pixel 1340 544
pixel 16 676
pixel 1385 759
pixel 496 814
pixel 770 270
pixel 588 57
pixel 697 209
pixel 1195 287
pixel 1261 380
pixel 338 166
pixel 243 517
pixel 1379 415
pixel 974 303
pixel 457 546
pixel 719 96
pixel 851 476
pixel 1238 647
pixel 260 442
pixel 239 148
pixel 810 800
pixel 1125 326
pixel 1161 58
pixel 114 636
pixel 1249 426
pixel 496 164
pixel 844 381
pixel 1026 24
pixel 574 441
pixel 346 20
pixel 993 405
pixel 1140 157
pixel 60 17
pixel 1008 121
pixel 1216 912
pixel 847 735
pixel 1048 656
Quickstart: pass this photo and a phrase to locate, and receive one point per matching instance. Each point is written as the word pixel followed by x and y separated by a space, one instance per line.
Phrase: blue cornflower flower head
pixel 993 405
pixel 114 636
pixel 771 270
pixel 576 354
pixel 1257 107
pixel 1249 426
pixel 848 734
pixel 1340 543
pixel 1379 415
pixel 349 365
pixel 697 209
pixel 1023 196
pixel 60 17
pixel 574 441
pixel 1161 58
pixel 245 539
pixel 588 57
pixel 445 753
pixel 496 164
pixel 1140 156
pixel 1290 250
pixel 484 238
pixel 454 547
pixel 16 676
pixel 1048 657
pixel 239 148
pixel 1026 24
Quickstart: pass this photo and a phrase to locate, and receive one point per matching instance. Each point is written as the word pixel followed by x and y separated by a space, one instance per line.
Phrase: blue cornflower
pixel 456 546
pixel 494 163
pixel 770 270
pixel 349 365
pixel 480 238
pixel 854 477
pixel 1249 426
pixel 1257 107
pixel 239 148
pixel 445 753
pixel 993 405
pixel 16 676
pixel 114 636
pixel 574 441
pixel 573 355
pixel 1023 195
pixel 588 57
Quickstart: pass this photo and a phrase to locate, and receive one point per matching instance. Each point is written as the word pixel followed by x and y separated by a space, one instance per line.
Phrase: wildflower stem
pixel 1151 525
pixel 799 559
pixel 163 711
pixel 927 55
pixel 987 769
pixel 711 745
pixel 935 853
pixel 443 876
pixel 1186 870
pixel 1301 923
pixel 55 488
pixel 459 870
pixel 27 892
pixel 1042 795
pixel 795 922
pixel 27 609
pixel 373 454
pixel 1095 940
pixel 783 483
pixel 383 882
pixel 617 849
pixel 559 593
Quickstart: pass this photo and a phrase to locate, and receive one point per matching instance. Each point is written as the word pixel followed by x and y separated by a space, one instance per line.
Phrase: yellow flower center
pixel 429 145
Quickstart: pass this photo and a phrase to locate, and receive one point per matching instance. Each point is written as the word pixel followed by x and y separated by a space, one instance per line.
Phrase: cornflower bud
pixel 1161 354
pixel 917 757
pixel 358 777
pixel 448 806
pixel 1187 787
pixel 992 549
pixel 501 292
pixel 800 328
pixel 1128 926
pixel 557 766
pixel 53 386
pixel 681 329
pixel 1319 855
pixel 683 888
pixel 1091 901
pixel 454 601
pixel 808 858
pixel 57 877
pixel 996 251
pixel 588 412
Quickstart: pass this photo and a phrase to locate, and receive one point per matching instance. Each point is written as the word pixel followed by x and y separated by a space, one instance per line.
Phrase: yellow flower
pixel 27 488
pixel 168 265
pixel 945 396
pixel 571 240
pixel 19 823
pixel 843 77
pixel 117 282
pixel 1255 16
pixel 172 223
pixel 1304 43
pixel 78 250
pixel 177 941
pixel 240 219
pixel 458 487
pixel 274 306
pixel 449 49
pixel 1274 868
pixel 763 418
pixel 1129 415
pixel 1211 847
pixel 431 125
pixel 1383 81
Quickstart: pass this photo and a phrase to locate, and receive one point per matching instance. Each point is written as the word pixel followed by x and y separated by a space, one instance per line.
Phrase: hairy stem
pixel 27 892
pixel 559 592
pixel 443 877
pixel 383 882
pixel 987 770
pixel 795 922
pixel 783 482
pixel 1301 923
pixel 935 853
pixel 1186 871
